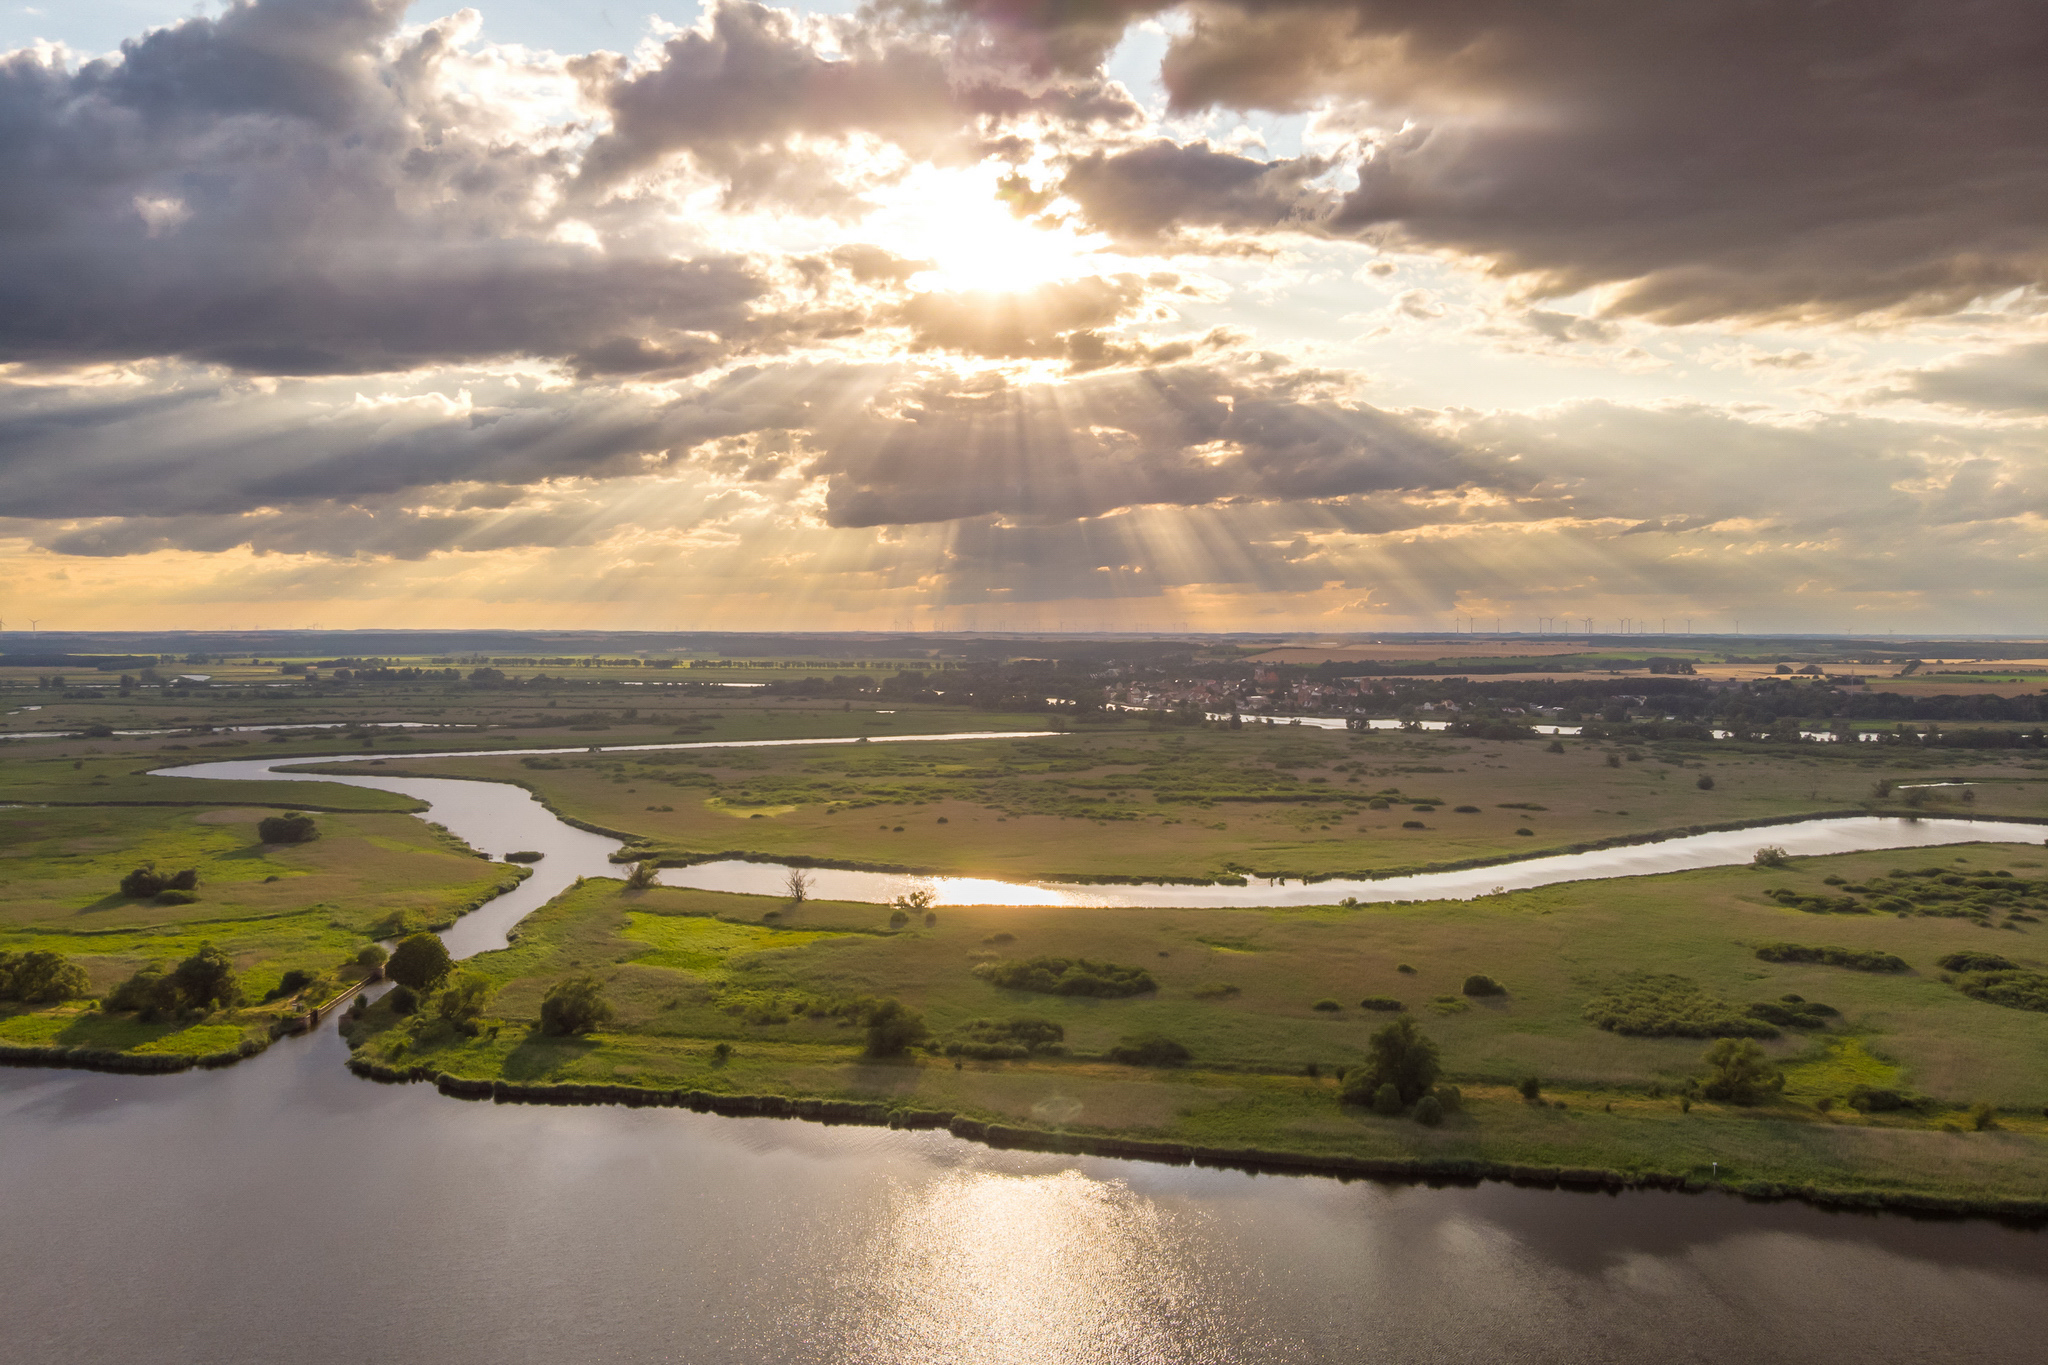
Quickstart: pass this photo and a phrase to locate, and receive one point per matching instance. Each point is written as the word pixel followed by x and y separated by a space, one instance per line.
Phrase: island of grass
pixel 120 892
pixel 1119 802
pixel 1885 1086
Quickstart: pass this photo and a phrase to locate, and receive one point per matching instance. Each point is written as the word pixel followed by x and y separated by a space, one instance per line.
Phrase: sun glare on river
pixel 955 220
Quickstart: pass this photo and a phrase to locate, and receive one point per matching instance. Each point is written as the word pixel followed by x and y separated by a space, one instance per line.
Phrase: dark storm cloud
pixel 1718 158
pixel 1147 192
pixel 1181 435
pixel 274 191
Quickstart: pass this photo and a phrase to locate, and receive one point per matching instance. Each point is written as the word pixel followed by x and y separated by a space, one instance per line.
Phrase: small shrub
pixel 1468 810
pixel 371 956
pixel 1982 1118
pixel 1526 833
pixel 1614 760
pixel 1770 855
pixel 1478 984
pixel 293 827
pixel 1215 990
pixel 999 1039
pixel 462 1004
pixel 1450 1097
pixel 1386 1003
pixel 1556 746
pixel 1976 962
pixel 1870 1099
pixel 721 1053
pixel 1413 824
pixel 573 1005
pixel 1386 1101
pixel 525 855
pixel 177 898
pixel 291 983
pixel 1704 782
pixel 897 919
pixel 643 875
pixel 1428 1111
pixel 1326 1005
pixel 1855 959
pixel 1404 968
pixel 1793 1012
pixel 1150 1050
pixel 1531 1088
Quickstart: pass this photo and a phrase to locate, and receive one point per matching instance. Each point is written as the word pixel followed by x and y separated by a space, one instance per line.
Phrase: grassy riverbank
pixel 688 971
pixel 272 908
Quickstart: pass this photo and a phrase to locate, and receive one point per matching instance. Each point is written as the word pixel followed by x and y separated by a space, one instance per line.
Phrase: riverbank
pixel 712 999
pixel 1955 1177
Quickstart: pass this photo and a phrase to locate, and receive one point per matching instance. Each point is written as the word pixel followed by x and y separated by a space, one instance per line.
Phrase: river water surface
pixel 283 1210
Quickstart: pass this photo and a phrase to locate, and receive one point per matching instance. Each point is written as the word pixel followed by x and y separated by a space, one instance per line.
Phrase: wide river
pixel 282 1210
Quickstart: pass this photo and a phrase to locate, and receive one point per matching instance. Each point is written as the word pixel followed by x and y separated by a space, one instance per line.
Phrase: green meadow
pixel 689 971
pixel 272 908
pixel 1134 802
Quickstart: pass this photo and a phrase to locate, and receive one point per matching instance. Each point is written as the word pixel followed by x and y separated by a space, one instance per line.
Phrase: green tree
pixel 421 962
pixel 891 1027
pixel 1386 1101
pixel 293 827
pixel 41 978
pixel 575 1004
pixel 1400 1055
pixel 462 1004
pixel 149 993
pixel 206 981
pixel 1738 1072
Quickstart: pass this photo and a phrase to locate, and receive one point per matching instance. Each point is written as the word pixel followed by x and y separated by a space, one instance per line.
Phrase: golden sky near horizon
pixel 991 314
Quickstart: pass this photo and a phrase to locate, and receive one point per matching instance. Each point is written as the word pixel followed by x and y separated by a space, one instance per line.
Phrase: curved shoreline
pixel 2031 1213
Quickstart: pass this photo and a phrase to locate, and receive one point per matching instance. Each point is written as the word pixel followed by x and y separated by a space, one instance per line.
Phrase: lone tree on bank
pixel 575 1005
pixel 421 963
pixel 1739 1072
pixel 1399 1055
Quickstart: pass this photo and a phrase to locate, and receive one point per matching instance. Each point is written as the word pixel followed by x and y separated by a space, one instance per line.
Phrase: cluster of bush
pixel 41 978
pixel 1998 980
pixel 1001 1039
pixel 171 888
pixel 201 984
pixel 1068 976
pixel 1794 1011
pixel 292 827
pixel 1856 959
pixel 1657 1006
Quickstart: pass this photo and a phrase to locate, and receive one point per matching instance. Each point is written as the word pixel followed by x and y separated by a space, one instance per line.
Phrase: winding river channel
pixel 282 1210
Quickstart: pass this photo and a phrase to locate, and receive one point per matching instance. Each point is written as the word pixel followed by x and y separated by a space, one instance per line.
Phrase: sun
pixel 954 219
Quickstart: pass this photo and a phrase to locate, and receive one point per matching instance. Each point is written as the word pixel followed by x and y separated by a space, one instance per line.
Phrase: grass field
pixel 1132 802
pixel 271 908
pixel 687 970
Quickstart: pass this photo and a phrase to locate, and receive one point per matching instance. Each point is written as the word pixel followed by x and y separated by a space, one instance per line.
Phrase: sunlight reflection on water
pixel 1054 1269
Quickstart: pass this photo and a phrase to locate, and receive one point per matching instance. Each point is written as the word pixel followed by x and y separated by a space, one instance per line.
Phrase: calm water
pixel 283 1210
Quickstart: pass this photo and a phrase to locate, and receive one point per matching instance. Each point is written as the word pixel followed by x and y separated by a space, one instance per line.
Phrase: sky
pixel 1259 315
